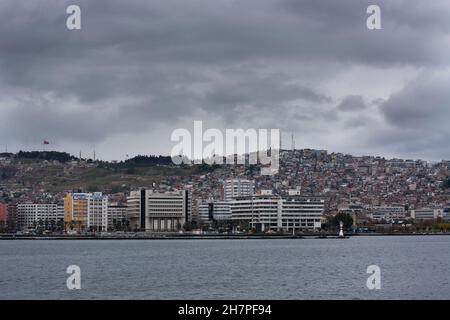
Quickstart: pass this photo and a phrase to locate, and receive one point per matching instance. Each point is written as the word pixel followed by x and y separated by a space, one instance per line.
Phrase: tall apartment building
pixel 214 210
pixel 30 215
pixel 136 208
pixel 151 211
pixel 11 216
pixel 86 211
pixel 3 212
pixel 117 214
pixel 233 188
pixel 279 214
pixel 75 211
pixel 3 216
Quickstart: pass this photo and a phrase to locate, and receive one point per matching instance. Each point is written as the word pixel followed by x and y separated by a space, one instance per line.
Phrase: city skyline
pixel 89 155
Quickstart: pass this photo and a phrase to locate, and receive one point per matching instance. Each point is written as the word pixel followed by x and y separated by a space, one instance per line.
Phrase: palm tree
pixel 40 223
pixel 60 225
pixel 127 224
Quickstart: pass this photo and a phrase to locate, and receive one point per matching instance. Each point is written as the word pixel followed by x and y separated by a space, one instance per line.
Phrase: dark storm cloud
pixel 412 31
pixel 136 63
pixel 422 104
pixel 415 119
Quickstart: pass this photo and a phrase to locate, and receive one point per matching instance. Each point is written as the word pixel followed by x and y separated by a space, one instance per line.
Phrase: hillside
pixel 55 172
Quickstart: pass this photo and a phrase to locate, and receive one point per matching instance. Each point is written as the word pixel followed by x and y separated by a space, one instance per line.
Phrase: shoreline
pixel 206 237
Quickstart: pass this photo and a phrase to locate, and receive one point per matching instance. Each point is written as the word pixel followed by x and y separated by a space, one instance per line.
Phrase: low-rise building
pixel 279 214
pixel 388 213
pixel 159 212
pixel 214 210
pixel 427 214
pixel 32 215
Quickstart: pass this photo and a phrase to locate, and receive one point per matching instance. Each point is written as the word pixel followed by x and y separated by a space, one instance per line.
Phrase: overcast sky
pixel 138 69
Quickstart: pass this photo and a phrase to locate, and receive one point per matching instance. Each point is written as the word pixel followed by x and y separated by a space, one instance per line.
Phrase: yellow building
pixel 76 208
pixel 83 211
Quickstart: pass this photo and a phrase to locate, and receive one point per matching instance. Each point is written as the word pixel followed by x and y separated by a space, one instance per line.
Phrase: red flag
pixel 46 142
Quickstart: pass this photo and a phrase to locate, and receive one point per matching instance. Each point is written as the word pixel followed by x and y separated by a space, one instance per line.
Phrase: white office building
pixel 159 212
pixel 233 188
pixel 30 215
pixel 135 211
pixel 117 214
pixel 388 213
pixel 427 214
pixel 214 210
pixel 97 218
pixel 279 214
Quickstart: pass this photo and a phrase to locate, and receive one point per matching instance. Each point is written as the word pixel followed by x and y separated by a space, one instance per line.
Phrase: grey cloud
pixel 408 143
pixel 414 120
pixel 139 63
pixel 422 104
pixel 268 91
pixel 352 103
pixel 377 102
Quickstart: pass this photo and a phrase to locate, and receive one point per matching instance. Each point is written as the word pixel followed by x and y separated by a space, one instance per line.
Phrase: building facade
pixel 427 214
pixel 3 216
pixel 388 213
pixel 11 216
pixel 97 212
pixel 117 215
pixel 136 208
pixel 233 188
pixel 274 213
pixel 214 210
pixel 159 212
pixel 86 211
pixel 32 215
pixel 3 212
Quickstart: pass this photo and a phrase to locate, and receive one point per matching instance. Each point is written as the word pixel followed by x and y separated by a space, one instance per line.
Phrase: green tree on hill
pixel 45 155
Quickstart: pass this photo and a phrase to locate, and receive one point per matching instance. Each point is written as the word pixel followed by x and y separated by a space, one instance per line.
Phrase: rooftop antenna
pixel 292 142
